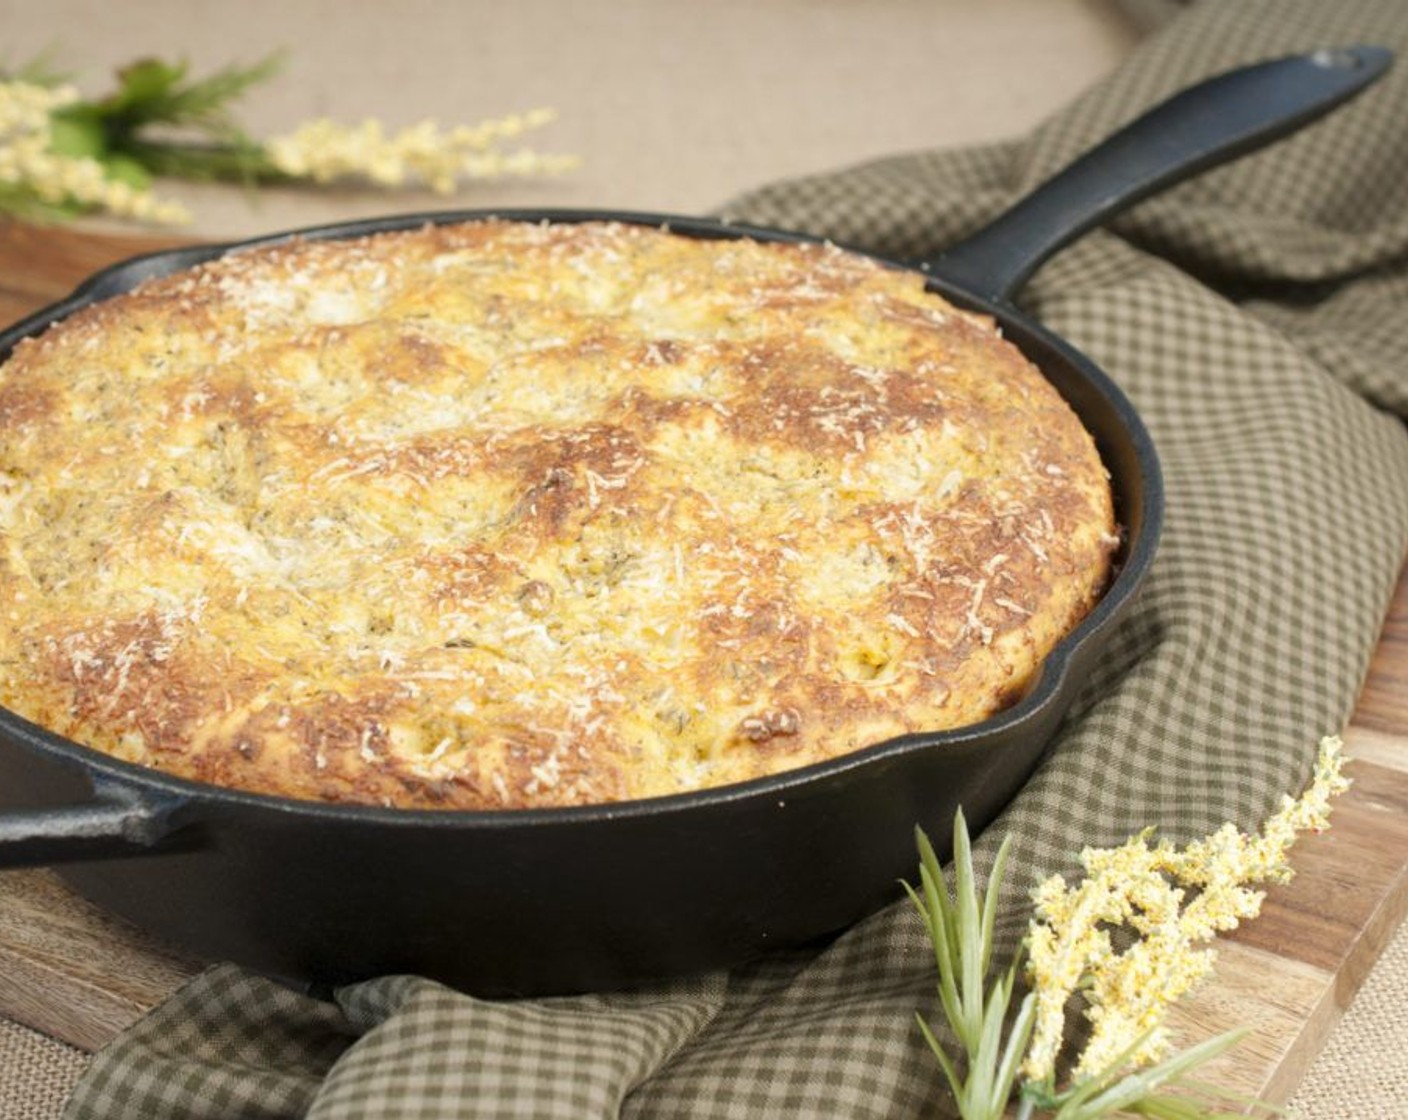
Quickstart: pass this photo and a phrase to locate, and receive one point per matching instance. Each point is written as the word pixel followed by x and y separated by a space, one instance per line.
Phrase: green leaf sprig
pixel 961 929
pixel 160 121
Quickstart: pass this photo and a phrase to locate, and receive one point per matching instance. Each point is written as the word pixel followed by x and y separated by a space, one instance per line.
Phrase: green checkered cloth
pixel 1258 317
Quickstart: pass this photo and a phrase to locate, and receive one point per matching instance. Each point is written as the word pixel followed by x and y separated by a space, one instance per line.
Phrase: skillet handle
pixel 118 822
pixel 1211 123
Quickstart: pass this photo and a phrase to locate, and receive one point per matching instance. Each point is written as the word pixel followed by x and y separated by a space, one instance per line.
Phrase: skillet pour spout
pixel 531 902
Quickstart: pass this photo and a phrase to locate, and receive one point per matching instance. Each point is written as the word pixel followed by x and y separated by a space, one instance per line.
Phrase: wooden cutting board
pixel 74 973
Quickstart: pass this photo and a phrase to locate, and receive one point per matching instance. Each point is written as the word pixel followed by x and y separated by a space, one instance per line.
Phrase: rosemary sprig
pixel 961 930
pixel 152 91
pixel 137 130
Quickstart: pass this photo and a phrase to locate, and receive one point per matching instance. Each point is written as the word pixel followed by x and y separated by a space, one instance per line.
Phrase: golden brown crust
pixel 504 515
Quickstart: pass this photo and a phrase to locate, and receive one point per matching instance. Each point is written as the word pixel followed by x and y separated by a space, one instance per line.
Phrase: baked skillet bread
pixel 500 515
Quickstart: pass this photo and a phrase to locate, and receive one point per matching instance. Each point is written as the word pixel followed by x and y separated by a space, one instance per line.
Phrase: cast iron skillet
pixel 561 900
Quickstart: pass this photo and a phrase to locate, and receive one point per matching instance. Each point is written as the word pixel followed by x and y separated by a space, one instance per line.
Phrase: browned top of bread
pixel 504 515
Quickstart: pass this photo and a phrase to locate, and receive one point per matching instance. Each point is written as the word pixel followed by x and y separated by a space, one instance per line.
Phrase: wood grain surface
pixel 79 975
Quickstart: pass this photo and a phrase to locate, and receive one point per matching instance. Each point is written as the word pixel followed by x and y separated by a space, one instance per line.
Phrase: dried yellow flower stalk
pixel 325 151
pixel 1173 900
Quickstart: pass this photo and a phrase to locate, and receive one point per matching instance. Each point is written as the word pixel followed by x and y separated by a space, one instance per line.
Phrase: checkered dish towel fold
pixel 1258 317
